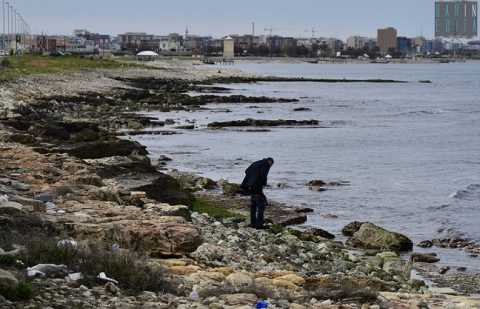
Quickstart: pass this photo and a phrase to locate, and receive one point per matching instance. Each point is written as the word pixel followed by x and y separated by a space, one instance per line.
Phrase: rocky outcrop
pixel 166 189
pixel 156 238
pixel 370 236
pixel 103 149
pixel 263 123
pixel 352 228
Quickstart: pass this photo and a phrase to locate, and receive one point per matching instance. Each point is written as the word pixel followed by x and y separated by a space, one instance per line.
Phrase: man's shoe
pixel 262 227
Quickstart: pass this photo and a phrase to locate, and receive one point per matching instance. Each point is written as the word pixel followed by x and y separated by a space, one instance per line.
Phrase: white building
pixel 228 48
pixel 171 43
pixel 357 42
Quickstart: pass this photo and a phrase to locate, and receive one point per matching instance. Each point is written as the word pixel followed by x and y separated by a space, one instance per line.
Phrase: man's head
pixel 270 161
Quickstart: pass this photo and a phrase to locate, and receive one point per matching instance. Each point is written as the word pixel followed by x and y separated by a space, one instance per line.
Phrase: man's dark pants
pixel 259 202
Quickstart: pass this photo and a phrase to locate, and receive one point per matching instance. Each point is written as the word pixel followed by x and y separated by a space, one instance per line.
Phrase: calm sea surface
pixel 411 152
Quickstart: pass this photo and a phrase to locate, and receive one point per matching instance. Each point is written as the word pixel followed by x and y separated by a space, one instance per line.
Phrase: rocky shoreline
pixel 67 178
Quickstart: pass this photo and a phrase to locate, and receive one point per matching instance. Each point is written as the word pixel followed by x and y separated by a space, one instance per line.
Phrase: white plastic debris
pixel 115 247
pixel 102 276
pixel 50 205
pixel 44 270
pixel 194 295
pixel 3 198
pixel 74 277
pixel 67 243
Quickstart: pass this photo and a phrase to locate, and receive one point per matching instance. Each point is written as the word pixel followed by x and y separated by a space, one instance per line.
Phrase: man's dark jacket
pixel 256 177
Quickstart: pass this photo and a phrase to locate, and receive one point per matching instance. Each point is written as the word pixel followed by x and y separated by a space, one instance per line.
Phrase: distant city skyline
pixel 219 18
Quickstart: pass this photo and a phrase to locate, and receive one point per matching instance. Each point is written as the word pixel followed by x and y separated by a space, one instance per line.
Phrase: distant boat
pixel 314 61
pixel 444 61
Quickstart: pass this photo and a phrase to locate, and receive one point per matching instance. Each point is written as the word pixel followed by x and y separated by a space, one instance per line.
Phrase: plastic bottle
pixel 262 304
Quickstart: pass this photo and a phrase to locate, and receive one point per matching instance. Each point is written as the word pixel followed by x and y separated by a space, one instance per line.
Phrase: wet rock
pixel 425 244
pixel 443 270
pixel 103 149
pixel 424 258
pixel 230 189
pixel 370 236
pixel 186 127
pixel 312 234
pixel 320 185
pixel 352 228
pixel 166 189
pixel 262 123
pixel 302 109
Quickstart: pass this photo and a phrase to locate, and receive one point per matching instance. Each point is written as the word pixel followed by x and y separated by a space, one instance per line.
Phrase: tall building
pixel 357 42
pixel 387 39
pixel 228 48
pixel 456 19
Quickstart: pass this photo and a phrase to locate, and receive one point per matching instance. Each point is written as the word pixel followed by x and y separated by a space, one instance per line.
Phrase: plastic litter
pixel 50 205
pixel 115 247
pixel 194 294
pixel 44 270
pixel 3 199
pixel 262 304
pixel 103 277
pixel 74 277
pixel 67 243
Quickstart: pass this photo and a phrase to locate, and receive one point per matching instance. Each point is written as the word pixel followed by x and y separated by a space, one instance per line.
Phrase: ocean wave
pixel 471 193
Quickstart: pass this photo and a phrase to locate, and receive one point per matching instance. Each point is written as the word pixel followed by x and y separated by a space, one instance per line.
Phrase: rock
pixel 316 183
pixel 262 123
pixel 167 210
pixel 289 279
pixel 425 244
pixel 424 258
pixel 184 270
pixel 370 236
pixel 36 204
pixel 111 288
pixel 443 270
pixel 351 228
pixel 157 238
pixel 302 109
pixel 166 189
pixel 319 232
pixel 240 282
pixel 7 280
pixel 186 127
pixel 90 180
pixel 13 205
pixel 230 189
pixel 103 149
pixel 239 299
pixel 210 254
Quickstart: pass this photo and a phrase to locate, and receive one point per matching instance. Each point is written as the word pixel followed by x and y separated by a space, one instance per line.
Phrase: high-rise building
pixel 456 19
pixel 387 39
pixel 357 42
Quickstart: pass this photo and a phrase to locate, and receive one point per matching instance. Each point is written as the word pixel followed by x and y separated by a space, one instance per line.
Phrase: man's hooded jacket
pixel 256 177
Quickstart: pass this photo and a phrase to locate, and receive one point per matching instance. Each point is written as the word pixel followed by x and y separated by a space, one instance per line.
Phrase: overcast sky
pixel 337 18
